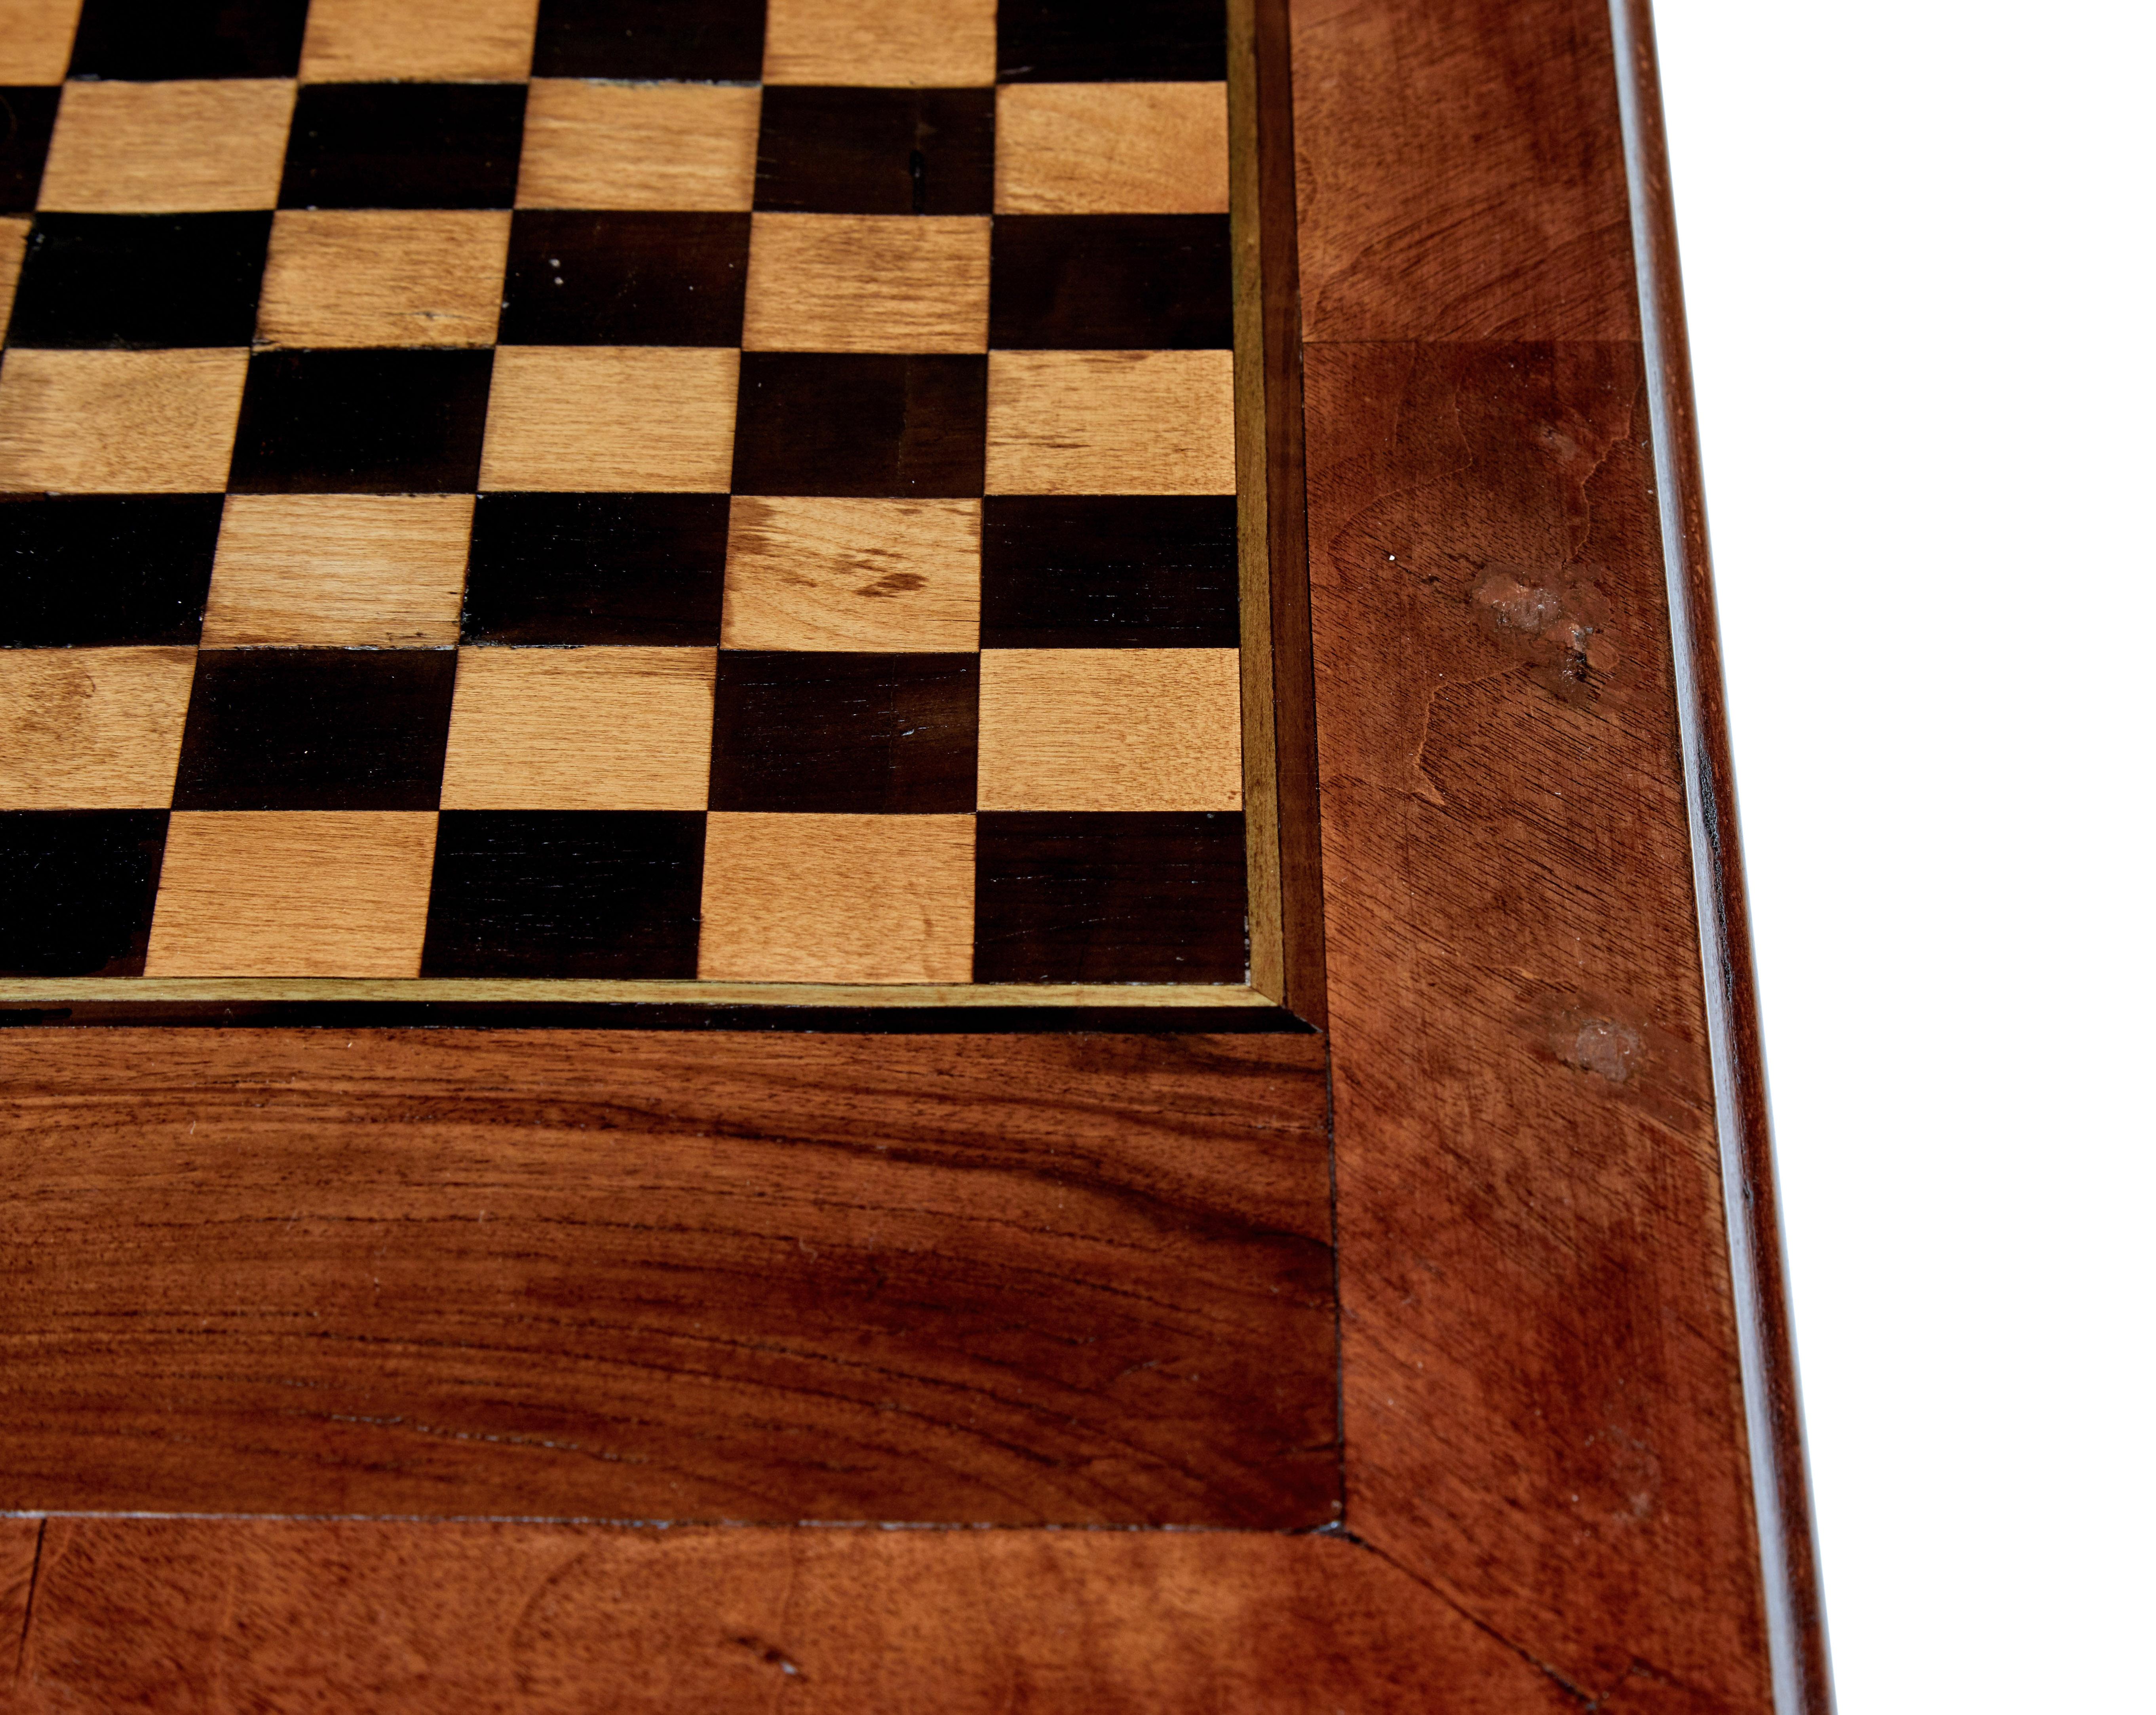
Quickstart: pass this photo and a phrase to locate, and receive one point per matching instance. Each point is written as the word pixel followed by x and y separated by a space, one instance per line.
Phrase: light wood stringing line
pixel 627 991
pixel 1261 808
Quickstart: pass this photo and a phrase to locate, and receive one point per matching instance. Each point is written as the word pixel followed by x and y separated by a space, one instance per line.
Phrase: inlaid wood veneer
pixel 350 277
pixel 962 1070
pixel 657 145
pixel 367 41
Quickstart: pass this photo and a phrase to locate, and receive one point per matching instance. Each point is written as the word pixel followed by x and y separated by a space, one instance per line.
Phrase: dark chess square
pixel 92 571
pixel 1109 572
pixel 1109 897
pixel 1111 41
pixel 140 281
pixel 565 893
pixel 80 887
pixel 26 129
pixel 596 569
pixel 405 146
pixel 1111 282
pixel 809 730
pixel 877 152
pixel 317 729
pixel 704 41
pixel 189 38
pixel 818 424
pixel 361 422
pixel 628 278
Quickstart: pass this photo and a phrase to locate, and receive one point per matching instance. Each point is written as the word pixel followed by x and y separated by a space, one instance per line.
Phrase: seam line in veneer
pixel 30 1604
pixel 1339 1316
pixel 1588 1701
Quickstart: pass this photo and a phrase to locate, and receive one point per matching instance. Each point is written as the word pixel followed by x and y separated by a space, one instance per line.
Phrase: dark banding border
pixel 1279 728
pixel 632 1015
pixel 1773 1411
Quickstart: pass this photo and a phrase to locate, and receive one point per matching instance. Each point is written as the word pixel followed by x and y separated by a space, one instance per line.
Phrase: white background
pixel 1917 264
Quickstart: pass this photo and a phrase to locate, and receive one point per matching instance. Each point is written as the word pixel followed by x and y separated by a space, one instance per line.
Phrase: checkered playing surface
pixel 617 489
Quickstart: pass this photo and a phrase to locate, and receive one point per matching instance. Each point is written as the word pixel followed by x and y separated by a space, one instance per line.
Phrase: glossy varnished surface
pixel 1009 1280
pixel 1523 1104
pixel 1531 1203
pixel 1547 1468
pixel 500 1618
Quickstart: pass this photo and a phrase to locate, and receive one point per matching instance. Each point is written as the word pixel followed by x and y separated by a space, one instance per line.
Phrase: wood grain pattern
pixel 753 1276
pixel 482 1620
pixel 1110 729
pixel 621 728
pixel 21 1541
pixel 35 39
pixel 1494 210
pixel 808 573
pixel 638 146
pixel 867 283
pixel 91 728
pixel 292 893
pixel 14 231
pixel 940 44
pixel 1076 423
pixel 1521 1087
pixel 125 148
pixel 628 418
pixel 119 422
pixel 1547 1439
pixel 796 898
pixel 1111 149
pixel 375 277
pixel 1530 1198
pixel 363 571
pixel 371 41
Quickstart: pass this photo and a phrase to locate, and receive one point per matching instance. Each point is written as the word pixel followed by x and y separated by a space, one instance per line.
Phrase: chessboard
pixel 592 493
